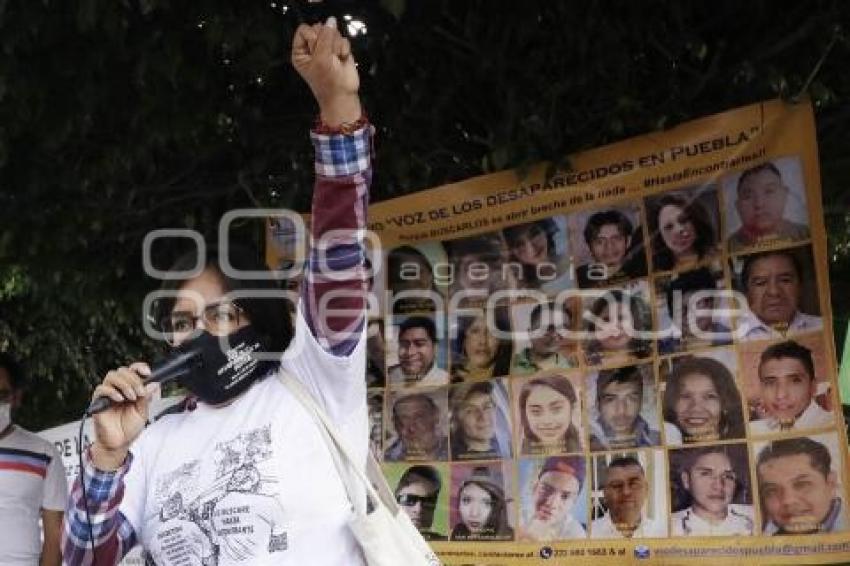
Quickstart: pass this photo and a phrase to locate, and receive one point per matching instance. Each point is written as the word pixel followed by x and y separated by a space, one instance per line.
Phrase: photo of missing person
pixel 786 385
pixel 701 401
pixel 479 425
pixel 477 268
pixel 481 507
pixel 548 413
pixel 684 228
pixel 711 493
pixel 766 204
pixel 619 327
pixel 420 351
pixel 538 255
pixel 376 351
pixel 800 485
pixel 629 495
pixel 422 491
pixel 375 404
pixel 608 245
pixel 417 425
pixel 690 310
pixel 623 412
pixel 781 298
pixel 411 278
pixel 549 345
pixel 552 499
pixel 481 344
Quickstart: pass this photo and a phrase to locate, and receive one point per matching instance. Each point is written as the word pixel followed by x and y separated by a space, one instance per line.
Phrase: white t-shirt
pixel 253 483
pixel 32 478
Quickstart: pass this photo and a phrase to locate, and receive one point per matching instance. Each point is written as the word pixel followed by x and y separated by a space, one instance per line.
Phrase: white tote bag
pixel 384 531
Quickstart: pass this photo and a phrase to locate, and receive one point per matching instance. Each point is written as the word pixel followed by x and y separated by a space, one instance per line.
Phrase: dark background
pixel 121 116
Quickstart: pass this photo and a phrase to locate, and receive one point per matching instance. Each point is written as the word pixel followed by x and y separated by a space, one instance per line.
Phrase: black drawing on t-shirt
pixel 235 520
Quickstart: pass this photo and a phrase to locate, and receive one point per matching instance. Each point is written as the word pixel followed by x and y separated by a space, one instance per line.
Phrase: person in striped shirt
pixel 32 482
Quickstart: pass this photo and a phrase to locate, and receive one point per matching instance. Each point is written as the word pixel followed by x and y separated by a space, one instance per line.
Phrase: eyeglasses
pixel 410 500
pixel 217 317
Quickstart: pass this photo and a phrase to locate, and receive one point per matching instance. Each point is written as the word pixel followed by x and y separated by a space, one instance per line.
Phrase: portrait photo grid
pixel 649 368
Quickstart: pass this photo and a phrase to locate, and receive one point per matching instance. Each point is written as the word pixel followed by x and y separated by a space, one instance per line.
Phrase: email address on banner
pixel 765 550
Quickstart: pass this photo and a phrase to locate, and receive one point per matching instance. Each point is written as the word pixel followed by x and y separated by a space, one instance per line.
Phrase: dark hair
pixel 638 347
pixel 750 260
pixel 600 219
pixel 790 349
pixel 561 385
pixel 731 417
pixel 399 256
pixel 662 256
pixel 512 233
pixel 419 322
pixel 818 454
pixel 688 458
pixel 766 166
pixel 420 473
pixel 415 397
pixel 502 357
pixel 572 465
pixel 486 246
pixel 625 462
pixel 270 316
pixel 626 374
pixel 700 279
pixel 496 523
pixel 15 370
pixel 537 313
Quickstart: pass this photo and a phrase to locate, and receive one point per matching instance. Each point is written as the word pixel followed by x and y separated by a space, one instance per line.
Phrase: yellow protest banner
pixel 629 360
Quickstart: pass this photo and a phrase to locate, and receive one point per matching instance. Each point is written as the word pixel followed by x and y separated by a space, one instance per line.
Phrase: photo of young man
pixel 622 397
pixel 615 245
pixel 711 491
pixel 787 391
pixel 553 490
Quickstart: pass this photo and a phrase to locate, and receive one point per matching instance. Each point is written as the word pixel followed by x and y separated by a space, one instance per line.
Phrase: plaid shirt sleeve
pixel 334 291
pixel 113 534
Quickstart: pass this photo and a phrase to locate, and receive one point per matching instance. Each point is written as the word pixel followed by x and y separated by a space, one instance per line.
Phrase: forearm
pixel 334 290
pixel 50 555
pixel 112 533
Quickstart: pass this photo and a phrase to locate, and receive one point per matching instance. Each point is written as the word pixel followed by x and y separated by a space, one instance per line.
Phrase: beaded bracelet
pixel 346 128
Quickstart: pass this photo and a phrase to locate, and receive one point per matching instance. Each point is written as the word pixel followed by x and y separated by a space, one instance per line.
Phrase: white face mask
pixel 5 415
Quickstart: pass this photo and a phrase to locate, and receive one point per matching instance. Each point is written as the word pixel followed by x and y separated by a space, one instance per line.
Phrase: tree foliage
pixel 118 117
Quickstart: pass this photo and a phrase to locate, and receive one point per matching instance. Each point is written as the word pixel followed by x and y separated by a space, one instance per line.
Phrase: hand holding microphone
pixel 120 405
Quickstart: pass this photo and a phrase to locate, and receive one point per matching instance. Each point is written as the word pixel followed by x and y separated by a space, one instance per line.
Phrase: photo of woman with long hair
pixel 478 352
pixel 534 256
pixel 481 507
pixel 618 319
pixel 548 410
pixel 701 402
pixel 682 231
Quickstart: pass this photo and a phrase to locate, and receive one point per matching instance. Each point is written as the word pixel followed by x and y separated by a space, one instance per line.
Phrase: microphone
pixel 163 371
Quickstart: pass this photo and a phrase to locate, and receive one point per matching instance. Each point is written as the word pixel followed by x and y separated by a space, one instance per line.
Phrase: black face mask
pixel 225 373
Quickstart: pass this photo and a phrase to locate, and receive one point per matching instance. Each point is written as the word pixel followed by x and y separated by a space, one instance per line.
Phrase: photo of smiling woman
pixel 701 401
pixel 683 232
pixel 477 351
pixel 538 255
pixel 479 506
pixel 615 323
pixel 549 410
